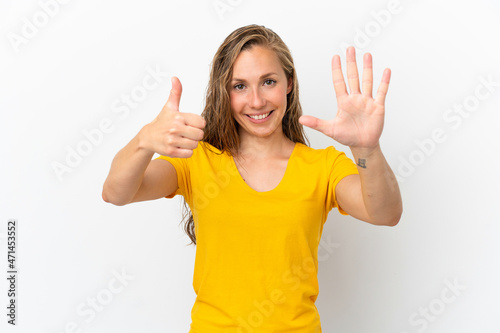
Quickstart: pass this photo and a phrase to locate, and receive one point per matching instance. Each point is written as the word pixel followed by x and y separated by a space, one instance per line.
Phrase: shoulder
pixel 206 153
pixel 317 153
pixel 207 149
pixel 328 159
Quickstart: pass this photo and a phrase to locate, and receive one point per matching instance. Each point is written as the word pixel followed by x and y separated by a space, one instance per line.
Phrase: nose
pixel 256 99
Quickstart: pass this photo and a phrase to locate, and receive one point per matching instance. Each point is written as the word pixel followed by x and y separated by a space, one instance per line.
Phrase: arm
pixel 133 176
pixel 373 195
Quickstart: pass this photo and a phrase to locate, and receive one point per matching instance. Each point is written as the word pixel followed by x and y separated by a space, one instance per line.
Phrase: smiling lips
pixel 261 116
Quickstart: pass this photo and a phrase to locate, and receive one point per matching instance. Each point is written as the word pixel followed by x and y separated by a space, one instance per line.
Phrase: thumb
pixel 315 123
pixel 175 94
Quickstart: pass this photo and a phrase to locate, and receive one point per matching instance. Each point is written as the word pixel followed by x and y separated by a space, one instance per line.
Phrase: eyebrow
pixel 262 76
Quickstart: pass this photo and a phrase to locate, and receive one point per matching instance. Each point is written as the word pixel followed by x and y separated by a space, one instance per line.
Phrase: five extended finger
pixel 367 81
pixel 383 87
pixel 321 125
pixel 352 71
pixel 338 78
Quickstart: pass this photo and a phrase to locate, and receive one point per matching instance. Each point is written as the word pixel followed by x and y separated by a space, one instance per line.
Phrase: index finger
pixel 338 77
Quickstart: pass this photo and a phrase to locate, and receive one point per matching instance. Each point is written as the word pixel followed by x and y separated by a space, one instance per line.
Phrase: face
pixel 258 92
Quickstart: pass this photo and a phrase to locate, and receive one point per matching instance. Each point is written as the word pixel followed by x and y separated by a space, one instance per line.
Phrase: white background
pixel 72 71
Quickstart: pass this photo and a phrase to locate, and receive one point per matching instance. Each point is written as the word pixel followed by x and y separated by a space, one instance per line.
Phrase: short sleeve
pixel 339 166
pixel 182 169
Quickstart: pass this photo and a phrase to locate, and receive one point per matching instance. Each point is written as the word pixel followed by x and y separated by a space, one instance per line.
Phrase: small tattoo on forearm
pixel 362 163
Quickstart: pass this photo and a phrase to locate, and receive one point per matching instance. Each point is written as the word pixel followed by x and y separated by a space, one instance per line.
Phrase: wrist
pixel 365 152
pixel 142 142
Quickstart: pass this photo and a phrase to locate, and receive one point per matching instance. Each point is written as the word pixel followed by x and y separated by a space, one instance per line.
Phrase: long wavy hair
pixel 221 130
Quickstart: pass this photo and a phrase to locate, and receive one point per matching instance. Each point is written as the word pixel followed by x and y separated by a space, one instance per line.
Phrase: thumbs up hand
pixel 360 117
pixel 173 133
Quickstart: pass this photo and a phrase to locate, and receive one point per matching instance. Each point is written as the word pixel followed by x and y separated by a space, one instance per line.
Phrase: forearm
pixel 126 172
pixel 379 186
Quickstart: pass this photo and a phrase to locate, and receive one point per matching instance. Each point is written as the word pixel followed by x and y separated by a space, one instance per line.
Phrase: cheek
pixel 280 97
pixel 235 103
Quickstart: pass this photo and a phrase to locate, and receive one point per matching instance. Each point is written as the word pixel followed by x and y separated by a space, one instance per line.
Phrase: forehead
pixel 254 62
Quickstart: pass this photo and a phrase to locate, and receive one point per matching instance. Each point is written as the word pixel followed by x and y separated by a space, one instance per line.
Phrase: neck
pixel 263 147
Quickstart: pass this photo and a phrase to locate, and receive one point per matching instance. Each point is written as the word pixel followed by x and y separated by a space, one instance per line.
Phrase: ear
pixel 290 85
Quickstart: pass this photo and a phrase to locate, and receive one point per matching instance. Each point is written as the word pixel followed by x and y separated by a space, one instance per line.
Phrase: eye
pixel 239 86
pixel 269 82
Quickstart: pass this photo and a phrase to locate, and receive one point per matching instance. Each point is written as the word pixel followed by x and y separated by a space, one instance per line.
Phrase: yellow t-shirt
pixel 256 254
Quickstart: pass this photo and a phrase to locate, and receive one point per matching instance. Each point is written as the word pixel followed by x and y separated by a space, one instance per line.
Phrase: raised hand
pixel 173 133
pixel 360 117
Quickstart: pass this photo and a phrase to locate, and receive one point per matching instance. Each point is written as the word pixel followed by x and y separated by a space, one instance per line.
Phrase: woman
pixel 258 195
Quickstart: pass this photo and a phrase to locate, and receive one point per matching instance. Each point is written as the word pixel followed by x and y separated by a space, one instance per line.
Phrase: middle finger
pixel 352 71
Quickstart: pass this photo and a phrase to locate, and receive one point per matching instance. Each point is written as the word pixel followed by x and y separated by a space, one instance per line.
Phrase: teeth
pixel 262 116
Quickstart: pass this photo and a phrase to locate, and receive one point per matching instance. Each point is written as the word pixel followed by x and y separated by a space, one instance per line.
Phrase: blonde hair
pixel 221 130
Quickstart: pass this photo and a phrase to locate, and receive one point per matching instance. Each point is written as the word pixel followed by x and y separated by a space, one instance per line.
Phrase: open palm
pixel 360 117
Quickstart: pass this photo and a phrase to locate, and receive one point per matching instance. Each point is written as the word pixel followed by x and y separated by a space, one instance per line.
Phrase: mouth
pixel 260 116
